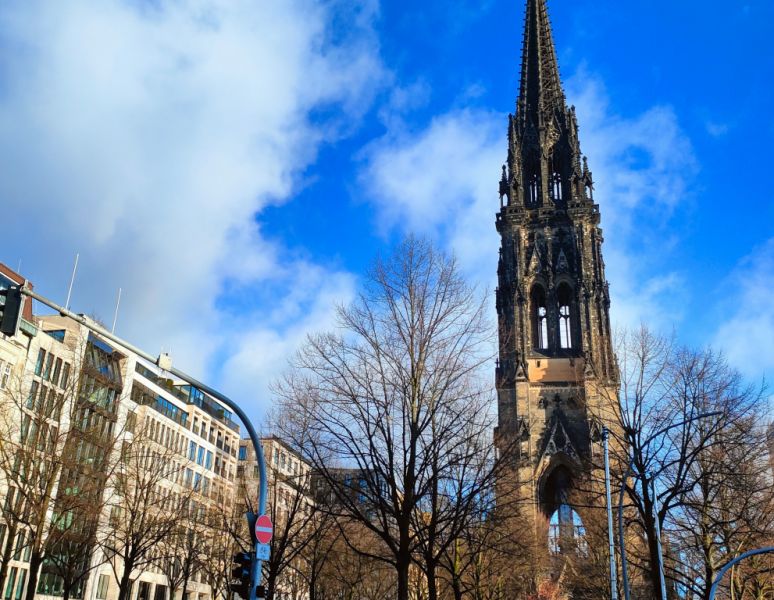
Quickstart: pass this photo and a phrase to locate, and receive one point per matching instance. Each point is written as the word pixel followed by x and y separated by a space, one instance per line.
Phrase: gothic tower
pixel 556 375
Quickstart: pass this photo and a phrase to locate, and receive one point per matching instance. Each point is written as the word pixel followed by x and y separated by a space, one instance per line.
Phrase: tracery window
pixel 556 187
pixel 566 531
pixel 540 318
pixel 533 190
pixel 564 298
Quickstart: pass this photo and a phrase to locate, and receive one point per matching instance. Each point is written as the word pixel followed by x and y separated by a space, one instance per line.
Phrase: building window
pixel 540 318
pixel 533 189
pixel 564 297
pixel 566 532
pixel 208 461
pixel 131 421
pixel 20 585
pixel 5 373
pixel 191 450
pixel 10 584
pixel 103 584
pixel 556 187
pixel 160 593
pixel 242 452
pixel 57 371
pixel 47 369
pixel 40 361
pixel 65 375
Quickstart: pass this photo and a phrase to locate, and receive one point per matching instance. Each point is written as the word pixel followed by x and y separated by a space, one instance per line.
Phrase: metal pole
pixel 731 563
pixel 629 469
pixel 657 527
pixel 610 541
pixel 115 315
pixel 72 280
pixel 256 575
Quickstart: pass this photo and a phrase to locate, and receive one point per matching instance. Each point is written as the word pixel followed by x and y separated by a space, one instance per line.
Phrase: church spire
pixel 541 88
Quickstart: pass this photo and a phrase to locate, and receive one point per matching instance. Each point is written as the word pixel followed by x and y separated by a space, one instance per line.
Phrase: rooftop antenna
pixel 72 280
pixel 115 315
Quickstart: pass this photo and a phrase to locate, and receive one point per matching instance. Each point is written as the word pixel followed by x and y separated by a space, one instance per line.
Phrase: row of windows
pixel 99 393
pixel 145 397
pixel 226 443
pixel 38 434
pixel 45 401
pixel 200 454
pixel 172 440
pixel 99 356
pixel 13 573
pixel 22 547
pixel 51 368
pixel 89 420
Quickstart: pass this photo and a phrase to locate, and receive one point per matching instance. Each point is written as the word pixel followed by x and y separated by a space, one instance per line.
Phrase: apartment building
pixel 98 425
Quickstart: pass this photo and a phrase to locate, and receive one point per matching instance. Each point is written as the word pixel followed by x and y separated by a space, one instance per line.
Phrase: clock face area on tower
pixel 556 374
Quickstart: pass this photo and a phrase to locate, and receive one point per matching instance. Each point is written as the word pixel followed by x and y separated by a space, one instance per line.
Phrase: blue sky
pixel 234 165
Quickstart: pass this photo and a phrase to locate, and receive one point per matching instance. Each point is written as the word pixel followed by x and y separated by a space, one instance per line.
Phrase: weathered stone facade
pixel 556 376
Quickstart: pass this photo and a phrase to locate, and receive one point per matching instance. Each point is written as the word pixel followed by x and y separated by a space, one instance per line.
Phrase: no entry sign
pixel 263 529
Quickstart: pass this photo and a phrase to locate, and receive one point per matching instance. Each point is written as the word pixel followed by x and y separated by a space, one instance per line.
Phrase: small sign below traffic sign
pixel 262 551
pixel 263 529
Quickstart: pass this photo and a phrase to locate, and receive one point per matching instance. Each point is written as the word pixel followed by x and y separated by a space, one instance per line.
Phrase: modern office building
pixel 108 437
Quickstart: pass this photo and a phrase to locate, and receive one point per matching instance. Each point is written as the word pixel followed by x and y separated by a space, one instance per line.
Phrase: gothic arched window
pixel 539 318
pixel 566 531
pixel 564 299
pixel 533 189
pixel 556 187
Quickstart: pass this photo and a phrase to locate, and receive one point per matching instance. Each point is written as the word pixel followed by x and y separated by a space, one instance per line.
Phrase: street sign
pixel 263 529
pixel 262 551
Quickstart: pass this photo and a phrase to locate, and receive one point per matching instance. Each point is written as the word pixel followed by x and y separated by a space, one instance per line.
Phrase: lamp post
pixel 630 468
pixel 608 504
pixel 255 576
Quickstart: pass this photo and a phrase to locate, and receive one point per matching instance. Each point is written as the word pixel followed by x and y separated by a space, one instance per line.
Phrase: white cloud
pixel 442 181
pixel 147 136
pixel 747 334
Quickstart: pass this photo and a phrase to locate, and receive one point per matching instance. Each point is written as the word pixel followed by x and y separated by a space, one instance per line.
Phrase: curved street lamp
pixel 731 563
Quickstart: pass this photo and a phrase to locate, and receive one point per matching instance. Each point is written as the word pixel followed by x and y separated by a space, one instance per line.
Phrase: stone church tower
pixel 556 375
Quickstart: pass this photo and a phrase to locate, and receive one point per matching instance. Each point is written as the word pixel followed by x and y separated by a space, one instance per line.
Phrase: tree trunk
pixel 7 552
pixel 403 579
pixel 432 584
pixel 456 588
pixel 125 585
pixel 32 579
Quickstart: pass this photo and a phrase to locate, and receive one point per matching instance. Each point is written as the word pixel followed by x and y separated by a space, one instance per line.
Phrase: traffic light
pixel 11 303
pixel 241 574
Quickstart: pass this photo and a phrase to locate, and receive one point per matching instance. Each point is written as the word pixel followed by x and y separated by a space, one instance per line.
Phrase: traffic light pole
pixel 255 576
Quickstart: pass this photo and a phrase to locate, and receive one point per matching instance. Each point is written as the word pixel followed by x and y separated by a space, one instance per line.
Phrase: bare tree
pixel 149 501
pixel 395 396
pixel 665 388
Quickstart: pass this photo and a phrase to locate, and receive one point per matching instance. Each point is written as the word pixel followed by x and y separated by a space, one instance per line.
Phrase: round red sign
pixel 263 529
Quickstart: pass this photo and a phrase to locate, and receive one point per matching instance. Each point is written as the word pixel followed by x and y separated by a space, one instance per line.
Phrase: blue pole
pixel 608 504
pixel 657 527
